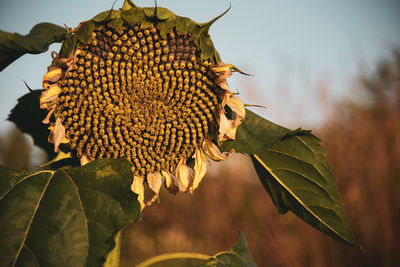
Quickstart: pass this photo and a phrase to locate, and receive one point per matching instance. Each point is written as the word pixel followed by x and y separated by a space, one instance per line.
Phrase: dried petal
pixel 52 76
pixel 184 175
pixel 170 182
pixel 84 160
pixel 200 168
pixel 213 151
pixel 224 126
pixel 50 95
pixel 237 106
pixel 138 188
pixel 154 179
pixel 57 134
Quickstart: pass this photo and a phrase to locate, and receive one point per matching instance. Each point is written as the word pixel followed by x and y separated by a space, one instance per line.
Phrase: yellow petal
pixel 200 168
pixel 168 179
pixel 49 96
pixel 154 179
pixel 47 119
pixel 57 134
pixel 221 70
pixel 230 134
pixel 138 188
pixel 224 125
pixel 184 175
pixel 84 160
pixel 237 106
pixel 170 182
pixel 52 76
pixel 213 151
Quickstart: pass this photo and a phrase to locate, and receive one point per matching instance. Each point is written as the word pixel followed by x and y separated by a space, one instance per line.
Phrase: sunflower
pixel 145 85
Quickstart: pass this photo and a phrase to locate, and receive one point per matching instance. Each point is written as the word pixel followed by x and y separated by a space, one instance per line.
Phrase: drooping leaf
pixel 298 177
pixel 28 116
pixel 237 256
pixel 293 169
pixel 38 40
pixel 67 217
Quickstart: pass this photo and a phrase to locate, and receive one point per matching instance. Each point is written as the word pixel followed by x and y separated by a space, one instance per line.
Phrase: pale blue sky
pixel 285 44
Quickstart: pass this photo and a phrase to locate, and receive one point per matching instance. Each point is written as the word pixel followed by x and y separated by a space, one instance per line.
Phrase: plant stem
pixel 174 256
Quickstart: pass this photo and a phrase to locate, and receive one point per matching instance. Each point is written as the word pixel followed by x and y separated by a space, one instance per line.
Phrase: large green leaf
pixel 67 217
pixel 28 117
pixel 38 40
pixel 293 169
pixel 237 256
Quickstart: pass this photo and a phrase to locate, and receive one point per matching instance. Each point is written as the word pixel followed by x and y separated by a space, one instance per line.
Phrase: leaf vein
pixel 297 199
pixel 33 215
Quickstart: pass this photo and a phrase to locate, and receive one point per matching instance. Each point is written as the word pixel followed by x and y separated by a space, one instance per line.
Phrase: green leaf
pixel 255 134
pixel 69 45
pixel 237 256
pixel 14 45
pixel 298 177
pixel 293 169
pixel 67 217
pixel 27 116
pixel 85 30
pixel 105 15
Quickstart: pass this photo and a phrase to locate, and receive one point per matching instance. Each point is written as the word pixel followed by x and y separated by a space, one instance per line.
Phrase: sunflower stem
pixel 174 256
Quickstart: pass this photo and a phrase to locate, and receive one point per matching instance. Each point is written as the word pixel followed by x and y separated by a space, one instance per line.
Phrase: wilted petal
pixel 154 179
pixel 230 134
pixel 237 106
pixel 51 76
pixel 213 151
pixel 84 160
pixel 138 188
pixel 222 71
pixel 49 96
pixel 184 175
pixel 168 179
pixel 47 119
pixel 170 182
pixel 200 168
pixel 224 125
pixel 57 134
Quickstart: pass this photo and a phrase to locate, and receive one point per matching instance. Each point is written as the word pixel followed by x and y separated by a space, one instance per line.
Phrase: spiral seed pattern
pixel 133 93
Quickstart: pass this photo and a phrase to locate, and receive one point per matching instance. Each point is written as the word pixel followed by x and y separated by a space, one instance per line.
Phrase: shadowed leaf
pixel 67 217
pixel 14 45
pixel 28 116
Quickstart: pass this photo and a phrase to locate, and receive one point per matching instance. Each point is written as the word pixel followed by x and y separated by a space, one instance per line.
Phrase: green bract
pixel 163 18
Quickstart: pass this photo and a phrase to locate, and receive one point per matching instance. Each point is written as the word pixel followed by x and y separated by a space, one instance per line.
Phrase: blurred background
pixel 330 66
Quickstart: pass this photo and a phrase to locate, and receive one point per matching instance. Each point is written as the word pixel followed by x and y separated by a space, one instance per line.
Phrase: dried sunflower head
pixel 145 85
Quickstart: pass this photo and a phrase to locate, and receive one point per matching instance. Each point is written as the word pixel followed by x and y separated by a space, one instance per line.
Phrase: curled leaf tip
pixel 234 68
pixel 27 86
pixel 207 25
pixel 252 105
pixel 128 4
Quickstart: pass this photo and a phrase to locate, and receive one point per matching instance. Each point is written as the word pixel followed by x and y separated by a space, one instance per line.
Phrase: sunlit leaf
pixel 255 134
pixel 293 169
pixel 38 40
pixel 298 178
pixel 67 217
